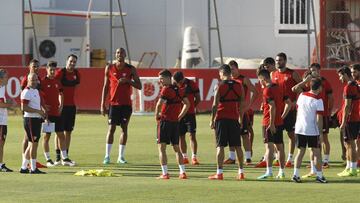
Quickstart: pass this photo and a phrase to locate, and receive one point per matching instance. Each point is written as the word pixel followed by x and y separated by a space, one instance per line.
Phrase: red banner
pixel 88 93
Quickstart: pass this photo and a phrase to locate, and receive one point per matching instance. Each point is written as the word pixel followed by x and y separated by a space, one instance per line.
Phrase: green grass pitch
pixel 136 181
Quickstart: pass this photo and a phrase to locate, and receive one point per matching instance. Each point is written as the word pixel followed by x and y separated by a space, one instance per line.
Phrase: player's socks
pixel 232 155
pixel 296 172
pixel 353 165
pixel 290 156
pixel 164 169
pixel 47 155
pixel 121 151
pixel 247 154
pixel 25 163
pixel 33 164
pixel 193 156
pixel 58 154
pixel 184 155
pixel 219 171
pixel 313 168
pixel 241 170
pixel 326 158
pixel 64 154
pixel 269 170
pixel 182 169
pixel 319 174
pixel 108 150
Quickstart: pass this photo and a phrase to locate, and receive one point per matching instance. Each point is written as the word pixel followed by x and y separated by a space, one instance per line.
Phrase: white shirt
pixel 32 98
pixel 308 106
pixel 3 111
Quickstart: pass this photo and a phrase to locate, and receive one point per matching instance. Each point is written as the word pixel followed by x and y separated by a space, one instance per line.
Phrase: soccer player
pixel 248 87
pixel 120 77
pixel 69 78
pixel 33 114
pixel 188 123
pixel 349 119
pixel 276 106
pixel 34 67
pixel 286 79
pixel 54 98
pixel 226 116
pixel 355 72
pixel 327 98
pixel 168 112
pixel 4 104
pixel 269 65
pixel 308 128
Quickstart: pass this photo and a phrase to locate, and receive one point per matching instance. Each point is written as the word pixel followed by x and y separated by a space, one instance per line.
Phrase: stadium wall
pixel 88 94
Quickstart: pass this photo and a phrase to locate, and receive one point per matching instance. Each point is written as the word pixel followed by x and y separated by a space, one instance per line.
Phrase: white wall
pixel 247 28
pixel 10 26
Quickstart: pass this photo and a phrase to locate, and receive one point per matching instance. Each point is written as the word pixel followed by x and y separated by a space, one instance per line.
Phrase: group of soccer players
pixel 44 101
pixel 300 105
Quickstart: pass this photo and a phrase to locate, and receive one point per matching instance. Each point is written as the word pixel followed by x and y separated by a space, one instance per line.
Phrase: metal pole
pixel 87 47
pixel 218 30
pixel 316 34
pixel 308 28
pixel 111 30
pixel 209 31
pixel 124 31
pixel 23 33
pixel 34 32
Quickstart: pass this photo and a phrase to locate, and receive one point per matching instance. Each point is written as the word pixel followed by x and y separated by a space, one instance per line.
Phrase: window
pixel 290 17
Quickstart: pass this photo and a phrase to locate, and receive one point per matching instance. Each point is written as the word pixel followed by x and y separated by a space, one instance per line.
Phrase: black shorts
pixel 59 126
pixel 187 124
pixel 289 121
pixel 3 132
pixel 68 115
pixel 168 132
pixel 32 128
pixel 245 125
pixel 326 124
pixel 119 114
pixel 310 141
pixel 351 131
pixel 276 138
pixel 227 132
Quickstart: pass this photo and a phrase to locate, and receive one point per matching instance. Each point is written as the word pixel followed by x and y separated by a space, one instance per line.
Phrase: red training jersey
pixel 273 93
pixel 120 94
pixel 69 81
pixel 191 89
pixel 173 97
pixel 24 82
pixel 351 91
pixel 51 89
pixel 285 81
pixel 230 93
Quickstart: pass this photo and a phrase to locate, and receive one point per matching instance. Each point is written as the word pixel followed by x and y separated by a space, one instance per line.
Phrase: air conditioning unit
pixel 58 48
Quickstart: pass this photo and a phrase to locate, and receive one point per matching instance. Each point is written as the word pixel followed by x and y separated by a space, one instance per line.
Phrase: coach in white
pixel 33 114
pixel 310 108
